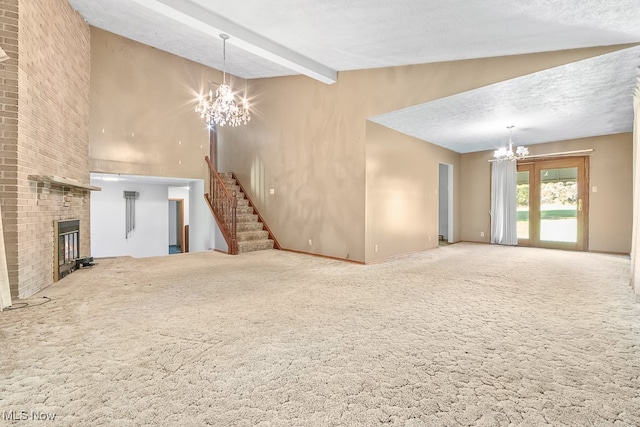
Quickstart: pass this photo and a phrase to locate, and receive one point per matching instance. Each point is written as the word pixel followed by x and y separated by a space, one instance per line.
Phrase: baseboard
pixel 611 253
pixel 322 256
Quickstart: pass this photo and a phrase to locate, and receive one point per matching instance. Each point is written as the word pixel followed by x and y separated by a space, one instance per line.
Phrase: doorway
pixel 553 207
pixel 445 203
pixel 176 226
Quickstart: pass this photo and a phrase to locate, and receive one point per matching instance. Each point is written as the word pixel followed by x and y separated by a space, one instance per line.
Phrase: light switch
pixel 272 191
pixel 594 189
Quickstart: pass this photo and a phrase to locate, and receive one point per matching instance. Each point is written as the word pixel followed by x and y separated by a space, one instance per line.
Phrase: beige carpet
pixel 461 335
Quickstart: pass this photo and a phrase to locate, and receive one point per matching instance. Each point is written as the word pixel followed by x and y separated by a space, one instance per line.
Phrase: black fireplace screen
pixel 68 247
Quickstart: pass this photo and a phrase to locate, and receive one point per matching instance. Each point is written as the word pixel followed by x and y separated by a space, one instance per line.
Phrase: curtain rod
pixel 558 154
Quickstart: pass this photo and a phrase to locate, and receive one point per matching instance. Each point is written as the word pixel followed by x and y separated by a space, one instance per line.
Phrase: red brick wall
pixel 51 136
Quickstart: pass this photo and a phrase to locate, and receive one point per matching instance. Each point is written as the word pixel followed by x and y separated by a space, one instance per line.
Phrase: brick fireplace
pixel 44 158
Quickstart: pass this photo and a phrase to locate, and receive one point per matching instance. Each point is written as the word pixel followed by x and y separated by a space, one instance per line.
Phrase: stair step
pixel 241 218
pixel 244 209
pixel 245 236
pixel 232 187
pixel 251 234
pixel 254 245
pixel 249 226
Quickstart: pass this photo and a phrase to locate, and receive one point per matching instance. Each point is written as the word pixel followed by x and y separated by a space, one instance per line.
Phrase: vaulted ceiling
pixel 320 38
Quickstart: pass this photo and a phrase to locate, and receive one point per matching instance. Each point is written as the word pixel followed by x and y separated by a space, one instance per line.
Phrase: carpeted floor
pixel 465 334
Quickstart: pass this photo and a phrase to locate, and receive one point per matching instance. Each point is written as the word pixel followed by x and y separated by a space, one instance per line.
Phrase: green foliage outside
pixel 551 193
pixel 522 195
pixel 560 193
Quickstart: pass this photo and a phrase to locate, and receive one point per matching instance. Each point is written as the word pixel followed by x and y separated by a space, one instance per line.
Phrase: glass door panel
pixel 552 203
pixel 522 196
pixel 559 205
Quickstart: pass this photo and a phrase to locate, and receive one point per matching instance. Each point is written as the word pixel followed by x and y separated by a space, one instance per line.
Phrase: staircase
pixel 251 233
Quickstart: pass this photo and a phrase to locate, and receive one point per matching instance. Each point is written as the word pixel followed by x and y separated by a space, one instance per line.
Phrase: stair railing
pixel 223 205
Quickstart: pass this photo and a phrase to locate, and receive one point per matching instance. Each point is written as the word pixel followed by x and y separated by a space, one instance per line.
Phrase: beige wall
pixel 307 141
pixel 307 145
pixel 610 208
pixel 475 183
pixel 401 200
pixel 45 132
pixel 142 110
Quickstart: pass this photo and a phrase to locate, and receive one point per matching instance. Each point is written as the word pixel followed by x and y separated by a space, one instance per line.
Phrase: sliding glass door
pixel 552 203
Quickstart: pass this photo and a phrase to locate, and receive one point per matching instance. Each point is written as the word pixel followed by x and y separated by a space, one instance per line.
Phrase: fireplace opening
pixel 67 249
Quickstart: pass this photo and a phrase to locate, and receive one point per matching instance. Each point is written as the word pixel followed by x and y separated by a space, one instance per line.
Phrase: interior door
pixel 553 204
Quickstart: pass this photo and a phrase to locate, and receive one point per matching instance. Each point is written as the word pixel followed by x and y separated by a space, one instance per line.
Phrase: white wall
pixel 149 238
pixel 202 225
pixel 221 243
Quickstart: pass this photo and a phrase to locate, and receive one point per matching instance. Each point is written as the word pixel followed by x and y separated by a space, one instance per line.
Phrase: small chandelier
pixel 223 109
pixel 507 153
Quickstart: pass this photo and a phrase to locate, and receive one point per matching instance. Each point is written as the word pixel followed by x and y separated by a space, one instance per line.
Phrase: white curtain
pixel 635 235
pixel 503 203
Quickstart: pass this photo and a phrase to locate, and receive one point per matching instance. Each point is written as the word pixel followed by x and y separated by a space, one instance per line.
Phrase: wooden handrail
pixel 223 205
pixel 276 245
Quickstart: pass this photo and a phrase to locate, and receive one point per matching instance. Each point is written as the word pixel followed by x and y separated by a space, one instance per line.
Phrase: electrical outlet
pixel 375 248
pixel 429 238
pixel 482 234
pixel 310 242
pixel 272 191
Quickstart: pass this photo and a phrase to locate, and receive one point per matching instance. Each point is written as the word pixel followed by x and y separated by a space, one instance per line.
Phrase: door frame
pixel 449 193
pixel 534 166
pixel 180 221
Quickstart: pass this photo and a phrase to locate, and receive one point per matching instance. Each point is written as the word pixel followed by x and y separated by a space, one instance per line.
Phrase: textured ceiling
pixel 586 98
pixel 320 38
